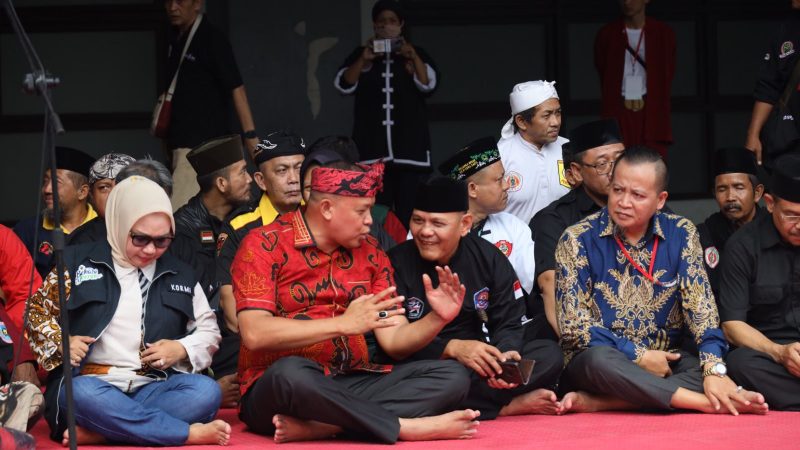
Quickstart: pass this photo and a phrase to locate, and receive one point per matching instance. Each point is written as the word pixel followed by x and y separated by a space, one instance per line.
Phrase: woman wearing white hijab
pixel 140 330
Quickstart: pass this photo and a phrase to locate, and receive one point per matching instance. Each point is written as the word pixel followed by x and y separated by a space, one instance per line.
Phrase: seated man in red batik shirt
pixel 307 288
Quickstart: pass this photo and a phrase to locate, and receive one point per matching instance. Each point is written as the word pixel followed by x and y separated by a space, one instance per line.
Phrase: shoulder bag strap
pixel 196 24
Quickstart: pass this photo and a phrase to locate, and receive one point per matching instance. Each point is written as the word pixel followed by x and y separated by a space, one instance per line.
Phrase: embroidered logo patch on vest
pixel 414 308
pixel 46 248
pixel 182 288
pixel 712 257
pixel 86 274
pixel 514 181
pixel 505 247
pixel 787 48
pixel 562 174
pixel 221 241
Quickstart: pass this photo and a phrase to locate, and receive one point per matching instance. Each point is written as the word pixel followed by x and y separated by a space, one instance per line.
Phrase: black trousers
pixel 549 362
pixel 366 405
pixel 607 371
pixel 756 371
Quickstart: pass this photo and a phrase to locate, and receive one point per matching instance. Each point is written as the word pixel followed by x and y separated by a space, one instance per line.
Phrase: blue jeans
pixel 157 414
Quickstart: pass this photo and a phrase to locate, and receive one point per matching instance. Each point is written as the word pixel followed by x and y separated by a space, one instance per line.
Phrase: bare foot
pixel 540 401
pixel 216 432
pixel 453 425
pixel 291 429
pixel 584 402
pixel 83 437
pixel 229 385
pixel 755 404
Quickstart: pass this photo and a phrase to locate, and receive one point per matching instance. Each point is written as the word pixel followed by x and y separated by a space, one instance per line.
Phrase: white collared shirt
pixel 536 175
pixel 513 238
pixel 118 345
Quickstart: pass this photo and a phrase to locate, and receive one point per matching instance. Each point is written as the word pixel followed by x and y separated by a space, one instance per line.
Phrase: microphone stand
pixel 52 127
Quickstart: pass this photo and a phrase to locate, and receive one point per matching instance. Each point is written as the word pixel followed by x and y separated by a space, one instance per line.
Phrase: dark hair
pixel 150 169
pixel 207 181
pixel 639 154
pixel 526 115
pixel 342 145
pixel 568 157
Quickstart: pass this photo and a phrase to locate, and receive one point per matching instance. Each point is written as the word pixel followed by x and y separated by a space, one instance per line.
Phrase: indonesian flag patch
pixel 518 293
pixel 206 236
pixel 712 257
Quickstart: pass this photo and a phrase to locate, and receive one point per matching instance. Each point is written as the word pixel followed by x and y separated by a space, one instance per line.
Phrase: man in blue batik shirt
pixel 627 280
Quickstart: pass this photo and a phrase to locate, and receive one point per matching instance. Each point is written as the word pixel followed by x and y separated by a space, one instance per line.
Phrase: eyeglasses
pixel 794 220
pixel 603 168
pixel 143 240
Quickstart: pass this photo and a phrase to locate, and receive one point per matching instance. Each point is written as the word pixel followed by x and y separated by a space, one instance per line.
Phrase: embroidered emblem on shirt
pixel 787 48
pixel 481 300
pixel 206 236
pixel 562 175
pixel 221 241
pixel 46 248
pixel 505 247
pixel 766 57
pixel 182 288
pixel 712 257
pixel 191 57
pixel 414 308
pixel 86 274
pixel 4 333
pixel 514 181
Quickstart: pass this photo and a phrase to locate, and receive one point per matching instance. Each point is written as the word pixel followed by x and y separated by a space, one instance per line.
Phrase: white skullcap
pixel 525 96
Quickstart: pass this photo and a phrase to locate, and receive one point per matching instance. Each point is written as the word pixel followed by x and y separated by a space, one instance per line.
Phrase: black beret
pixel 735 160
pixel 473 157
pixel 391 5
pixel 594 134
pixel 68 158
pixel 279 143
pixel 216 154
pixel 786 177
pixel 442 194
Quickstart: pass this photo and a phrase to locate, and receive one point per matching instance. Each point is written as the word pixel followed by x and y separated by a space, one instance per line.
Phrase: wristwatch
pixel 249 134
pixel 719 369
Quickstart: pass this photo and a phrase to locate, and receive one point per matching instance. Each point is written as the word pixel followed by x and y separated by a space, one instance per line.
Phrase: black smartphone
pixel 517 372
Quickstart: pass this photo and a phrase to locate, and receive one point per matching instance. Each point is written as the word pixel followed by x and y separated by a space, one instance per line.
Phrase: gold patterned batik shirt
pixel 602 299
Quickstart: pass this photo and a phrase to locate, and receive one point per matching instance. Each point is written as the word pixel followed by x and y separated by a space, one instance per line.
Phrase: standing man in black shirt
pixel 737 191
pixel 760 294
pixel 593 149
pixel 773 75
pixel 390 117
pixel 209 86
pixel 488 329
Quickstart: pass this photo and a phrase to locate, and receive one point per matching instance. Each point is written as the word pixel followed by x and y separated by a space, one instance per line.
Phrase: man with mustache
pixel 737 191
pixel 531 149
pixel 488 328
pixel 278 158
pixel 592 150
pixel 760 293
pixel 72 174
pixel 629 279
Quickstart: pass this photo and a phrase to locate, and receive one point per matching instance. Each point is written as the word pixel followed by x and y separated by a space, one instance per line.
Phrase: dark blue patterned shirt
pixel 604 300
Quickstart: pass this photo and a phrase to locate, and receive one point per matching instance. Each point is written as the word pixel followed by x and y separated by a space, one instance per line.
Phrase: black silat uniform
pixel 492 311
pixel 760 285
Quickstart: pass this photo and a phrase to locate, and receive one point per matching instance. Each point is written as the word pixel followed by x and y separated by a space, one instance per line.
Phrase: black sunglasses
pixel 142 240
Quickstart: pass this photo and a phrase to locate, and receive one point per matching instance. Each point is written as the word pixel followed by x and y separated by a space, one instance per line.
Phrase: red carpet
pixel 618 431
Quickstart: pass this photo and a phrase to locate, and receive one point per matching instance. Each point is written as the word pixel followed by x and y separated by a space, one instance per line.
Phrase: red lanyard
pixel 635 56
pixel 649 273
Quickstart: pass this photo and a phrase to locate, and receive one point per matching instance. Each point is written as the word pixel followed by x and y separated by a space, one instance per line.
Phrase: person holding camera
pixel 487 335
pixel 390 79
